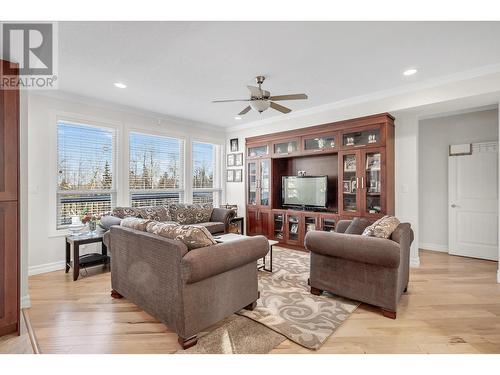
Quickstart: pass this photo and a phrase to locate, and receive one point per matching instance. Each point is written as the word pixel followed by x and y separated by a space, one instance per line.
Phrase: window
pixel 156 169
pixel 86 177
pixel 206 180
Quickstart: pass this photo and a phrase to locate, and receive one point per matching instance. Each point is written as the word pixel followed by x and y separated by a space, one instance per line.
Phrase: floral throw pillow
pixel 135 223
pixel 192 236
pixel 382 228
pixel 190 213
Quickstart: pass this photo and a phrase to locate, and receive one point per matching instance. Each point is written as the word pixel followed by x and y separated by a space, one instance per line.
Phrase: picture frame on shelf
pixel 238 175
pixel 346 186
pixel 233 145
pixel 230 175
pixel 354 185
pixel 238 160
pixel 230 160
pixel 373 162
pixel 350 163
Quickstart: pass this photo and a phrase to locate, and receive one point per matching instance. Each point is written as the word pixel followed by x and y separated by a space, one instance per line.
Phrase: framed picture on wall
pixel 230 160
pixel 230 175
pixel 238 175
pixel 234 145
pixel 238 162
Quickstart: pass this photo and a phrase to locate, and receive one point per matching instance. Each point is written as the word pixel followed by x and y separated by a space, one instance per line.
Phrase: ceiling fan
pixel 260 99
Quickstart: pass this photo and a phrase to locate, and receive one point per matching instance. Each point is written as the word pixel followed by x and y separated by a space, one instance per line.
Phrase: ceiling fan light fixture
pixel 260 105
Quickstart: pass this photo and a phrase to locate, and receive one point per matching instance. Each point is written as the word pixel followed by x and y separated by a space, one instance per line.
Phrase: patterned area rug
pixel 287 307
pixel 236 335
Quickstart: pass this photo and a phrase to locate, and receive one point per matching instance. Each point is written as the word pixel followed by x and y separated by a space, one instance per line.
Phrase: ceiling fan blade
pixel 245 111
pixel 289 97
pixel 230 100
pixel 280 108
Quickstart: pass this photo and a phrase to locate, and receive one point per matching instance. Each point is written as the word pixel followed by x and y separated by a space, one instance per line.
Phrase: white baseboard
pixel 25 302
pixel 433 247
pixel 47 267
pixel 415 262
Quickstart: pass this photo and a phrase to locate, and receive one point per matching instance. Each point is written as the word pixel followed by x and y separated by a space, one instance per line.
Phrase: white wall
pixel 435 136
pixel 45 243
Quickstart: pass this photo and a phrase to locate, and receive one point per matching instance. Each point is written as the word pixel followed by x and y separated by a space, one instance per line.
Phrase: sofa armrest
pixel 342 226
pixel 357 248
pixel 222 215
pixel 202 263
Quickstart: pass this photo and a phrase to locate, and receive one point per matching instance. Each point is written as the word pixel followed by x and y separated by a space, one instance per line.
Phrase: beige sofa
pixel 366 269
pixel 186 290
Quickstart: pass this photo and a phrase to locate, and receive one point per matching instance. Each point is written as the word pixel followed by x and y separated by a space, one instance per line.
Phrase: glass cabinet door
pixel 252 183
pixel 372 181
pixel 257 151
pixel 349 202
pixel 293 222
pixel 319 142
pixel 361 138
pixel 310 223
pixel 286 147
pixel 265 181
pixel 278 225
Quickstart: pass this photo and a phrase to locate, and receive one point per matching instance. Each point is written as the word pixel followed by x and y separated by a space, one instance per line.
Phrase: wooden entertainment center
pixel 357 156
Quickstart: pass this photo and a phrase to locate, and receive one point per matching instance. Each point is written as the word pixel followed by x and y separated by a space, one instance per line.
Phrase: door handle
pixel 362 182
pixel 454 205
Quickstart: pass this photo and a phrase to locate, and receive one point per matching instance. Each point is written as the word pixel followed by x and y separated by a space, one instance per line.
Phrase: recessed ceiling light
pixel 120 85
pixel 410 72
pixel 237 117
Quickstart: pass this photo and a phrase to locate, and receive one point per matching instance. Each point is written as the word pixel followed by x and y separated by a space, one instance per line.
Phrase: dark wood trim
pixel 187 343
pixel 10 293
pixel 382 118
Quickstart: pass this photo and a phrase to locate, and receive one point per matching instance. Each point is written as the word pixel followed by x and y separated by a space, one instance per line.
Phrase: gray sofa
pixel 367 269
pixel 187 291
pixel 216 220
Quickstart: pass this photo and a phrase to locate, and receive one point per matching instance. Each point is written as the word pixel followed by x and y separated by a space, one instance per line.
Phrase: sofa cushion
pixel 382 228
pixel 123 212
pixel 192 236
pixel 183 213
pixel 135 223
pixel 213 226
pixel 357 225
pixel 108 221
pixel 157 213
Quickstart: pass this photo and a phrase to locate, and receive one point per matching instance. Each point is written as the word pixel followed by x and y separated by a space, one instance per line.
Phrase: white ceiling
pixel 177 68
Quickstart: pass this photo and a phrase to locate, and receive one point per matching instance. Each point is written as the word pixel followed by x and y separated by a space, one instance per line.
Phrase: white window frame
pixel 55 118
pixel 149 132
pixel 218 171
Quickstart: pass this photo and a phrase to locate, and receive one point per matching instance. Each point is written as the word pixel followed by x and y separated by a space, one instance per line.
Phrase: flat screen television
pixel 306 191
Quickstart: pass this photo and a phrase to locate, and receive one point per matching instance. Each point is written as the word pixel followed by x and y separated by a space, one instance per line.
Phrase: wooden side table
pixel 88 260
pixel 240 222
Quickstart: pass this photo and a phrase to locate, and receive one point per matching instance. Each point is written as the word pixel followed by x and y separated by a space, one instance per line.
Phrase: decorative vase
pixel 92 226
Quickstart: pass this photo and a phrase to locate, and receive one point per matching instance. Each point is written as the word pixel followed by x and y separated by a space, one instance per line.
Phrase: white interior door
pixel 473 202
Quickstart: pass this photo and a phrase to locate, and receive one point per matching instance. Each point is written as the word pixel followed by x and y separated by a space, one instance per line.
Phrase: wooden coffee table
pixel 232 237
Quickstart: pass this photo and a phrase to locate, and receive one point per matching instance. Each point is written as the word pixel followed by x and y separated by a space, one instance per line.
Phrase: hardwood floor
pixel 452 306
